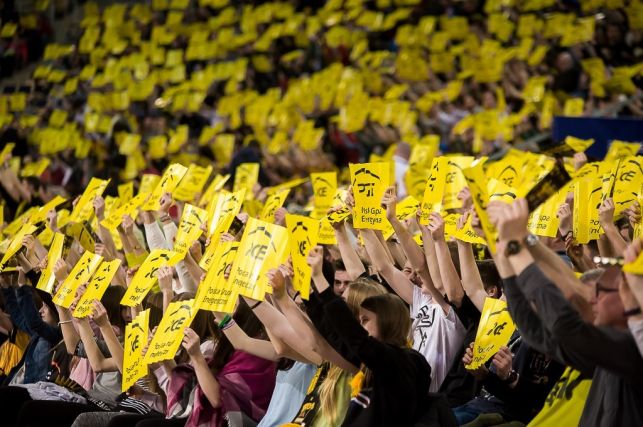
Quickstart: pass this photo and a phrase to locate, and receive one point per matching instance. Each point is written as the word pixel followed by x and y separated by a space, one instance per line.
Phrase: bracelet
pixel 632 312
pixel 294 298
pixel 65 321
pixel 165 218
pixel 226 319
pixel 255 305
pixel 228 325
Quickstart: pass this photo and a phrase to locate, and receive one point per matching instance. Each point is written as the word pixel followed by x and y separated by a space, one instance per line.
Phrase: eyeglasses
pixel 600 288
pixel 603 260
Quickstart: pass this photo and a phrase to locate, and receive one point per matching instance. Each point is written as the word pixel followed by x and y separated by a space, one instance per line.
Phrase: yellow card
pixel 41 215
pixel 136 335
pixel 324 187
pixel 169 333
pixel 222 211
pixel 84 209
pixel 169 181
pixel 326 233
pixel 494 331
pixel 274 202
pixel 192 183
pixel 97 287
pixel 215 186
pixel 81 273
pixel 145 277
pixel 148 183
pixel 477 183
pixel 262 248
pixel 304 233
pixel 434 190
pixel 620 149
pixel 6 151
pixel 404 210
pixel 126 191
pixel 189 228
pixel 246 176
pixel 129 208
pixel 214 293
pixel 369 181
pixel 16 242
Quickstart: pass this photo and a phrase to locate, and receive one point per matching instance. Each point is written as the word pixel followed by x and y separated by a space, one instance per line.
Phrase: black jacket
pixel 398 395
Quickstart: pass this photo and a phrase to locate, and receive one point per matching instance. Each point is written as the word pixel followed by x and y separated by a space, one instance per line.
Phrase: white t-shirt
pixel 436 335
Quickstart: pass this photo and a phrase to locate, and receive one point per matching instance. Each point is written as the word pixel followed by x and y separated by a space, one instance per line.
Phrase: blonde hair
pixel 335 387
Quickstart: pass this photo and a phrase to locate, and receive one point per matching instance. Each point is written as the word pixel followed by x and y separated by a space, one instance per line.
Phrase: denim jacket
pixel 25 315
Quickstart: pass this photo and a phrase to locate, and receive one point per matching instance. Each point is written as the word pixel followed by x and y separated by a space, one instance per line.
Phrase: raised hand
pixel 503 361
pixel 564 214
pixel 436 226
pixel 389 201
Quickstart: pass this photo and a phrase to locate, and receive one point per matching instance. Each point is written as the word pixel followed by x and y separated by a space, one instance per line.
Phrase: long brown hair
pixel 330 391
pixel 393 320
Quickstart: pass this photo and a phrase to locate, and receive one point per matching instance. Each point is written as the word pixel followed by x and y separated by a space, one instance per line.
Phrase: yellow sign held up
pixel 214 293
pixel 324 187
pixel 304 233
pixel 81 273
pixel 16 242
pixel 116 217
pixel 84 208
pixel 192 183
pixel 145 277
pixel 47 279
pixel 246 176
pixel 262 248
pixel 169 181
pixel 369 181
pixel 274 202
pixel 169 333
pixel 189 228
pixel 97 287
pixel 494 331
pixel 434 190
pixel 136 335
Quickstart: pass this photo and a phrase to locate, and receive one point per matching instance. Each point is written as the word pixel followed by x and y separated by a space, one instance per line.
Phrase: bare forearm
pixel 114 346
pixel 413 252
pixel 431 259
pixel 209 385
pixel 352 262
pixel 614 236
pixel 448 273
pixel 471 280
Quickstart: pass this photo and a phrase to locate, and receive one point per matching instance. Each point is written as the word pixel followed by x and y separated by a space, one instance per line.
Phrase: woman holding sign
pixel 395 386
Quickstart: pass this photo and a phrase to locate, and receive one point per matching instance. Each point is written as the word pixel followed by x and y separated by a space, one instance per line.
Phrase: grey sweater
pixel 608 355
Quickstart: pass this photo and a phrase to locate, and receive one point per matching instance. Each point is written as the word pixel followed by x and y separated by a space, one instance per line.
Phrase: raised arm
pixel 448 273
pixel 352 262
pixel 274 321
pixel 208 383
pixel 413 252
pixel 99 316
pixel 394 277
pixel 583 345
pixel 241 341
pixel 70 334
pixel 97 360
pixel 606 216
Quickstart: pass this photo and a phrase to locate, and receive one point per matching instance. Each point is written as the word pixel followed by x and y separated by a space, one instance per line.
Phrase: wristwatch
pixel 531 240
pixel 513 248
pixel 513 376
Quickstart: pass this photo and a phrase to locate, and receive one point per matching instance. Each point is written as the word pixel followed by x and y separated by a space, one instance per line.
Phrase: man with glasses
pixel 604 350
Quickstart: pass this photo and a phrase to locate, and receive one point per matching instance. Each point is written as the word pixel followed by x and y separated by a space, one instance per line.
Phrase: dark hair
pixel 338 264
pixel 112 301
pixel 328 270
pixel 248 322
pixel 393 319
pixel 202 325
pixel 489 274
pixel 154 302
